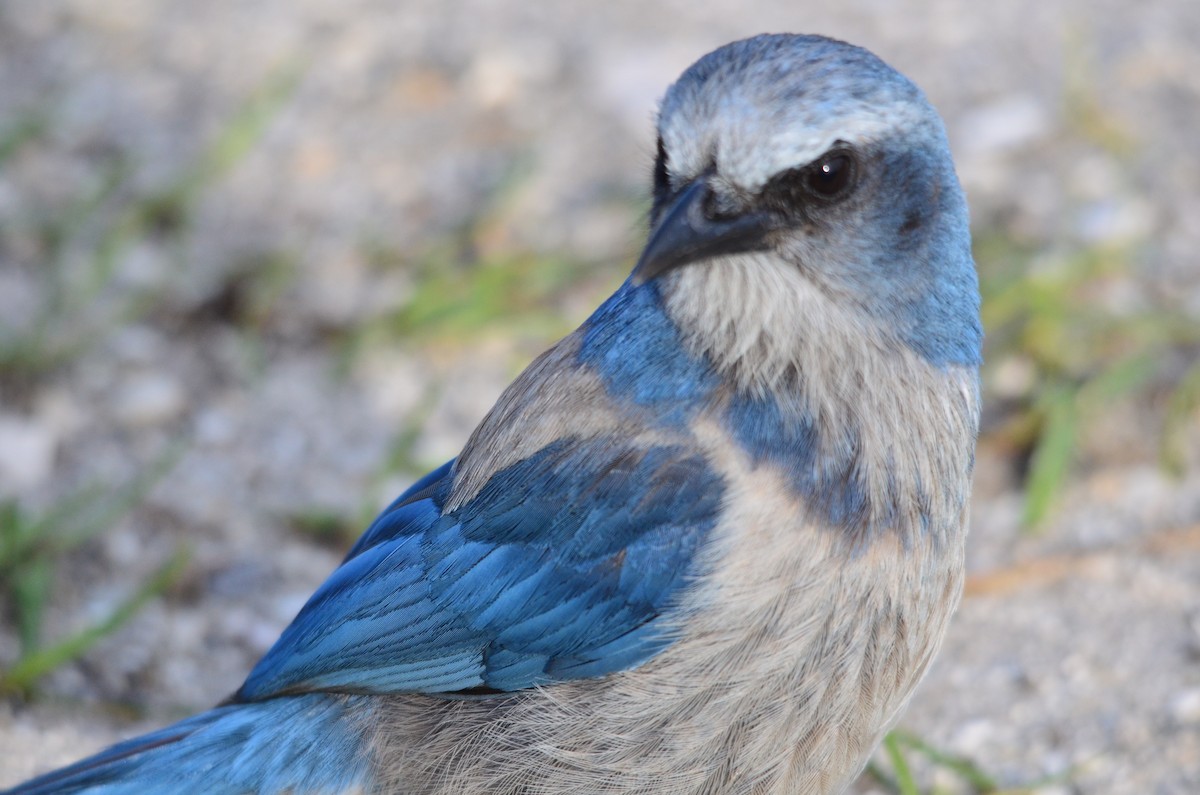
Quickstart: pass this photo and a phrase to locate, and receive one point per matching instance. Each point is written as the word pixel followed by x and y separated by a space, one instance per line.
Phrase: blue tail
pixel 312 743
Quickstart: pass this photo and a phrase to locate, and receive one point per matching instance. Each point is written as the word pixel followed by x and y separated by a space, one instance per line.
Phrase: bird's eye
pixel 828 179
pixel 832 176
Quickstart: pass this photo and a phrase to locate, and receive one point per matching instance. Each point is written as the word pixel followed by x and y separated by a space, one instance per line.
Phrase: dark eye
pixel 832 176
pixel 828 179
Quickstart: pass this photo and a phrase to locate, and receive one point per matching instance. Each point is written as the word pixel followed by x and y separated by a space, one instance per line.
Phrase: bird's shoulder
pixel 559 566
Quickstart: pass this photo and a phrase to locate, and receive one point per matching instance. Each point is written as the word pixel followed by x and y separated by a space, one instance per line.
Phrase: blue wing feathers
pixel 311 743
pixel 415 508
pixel 556 569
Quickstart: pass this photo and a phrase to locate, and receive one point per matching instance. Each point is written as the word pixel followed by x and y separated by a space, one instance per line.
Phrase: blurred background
pixel 262 264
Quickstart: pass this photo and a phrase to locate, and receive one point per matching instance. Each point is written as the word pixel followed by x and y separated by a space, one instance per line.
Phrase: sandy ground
pixel 1074 660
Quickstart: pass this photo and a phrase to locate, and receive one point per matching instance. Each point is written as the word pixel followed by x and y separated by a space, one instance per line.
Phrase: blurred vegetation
pixel 104 224
pixel 476 281
pixel 1082 356
pixel 911 760
pixel 473 284
pixel 1044 311
pixel 32 548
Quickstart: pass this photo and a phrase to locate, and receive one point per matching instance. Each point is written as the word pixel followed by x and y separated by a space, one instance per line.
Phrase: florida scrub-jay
pixel 708 542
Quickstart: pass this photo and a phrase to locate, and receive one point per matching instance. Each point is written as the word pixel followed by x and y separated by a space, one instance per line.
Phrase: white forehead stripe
pixel 758 116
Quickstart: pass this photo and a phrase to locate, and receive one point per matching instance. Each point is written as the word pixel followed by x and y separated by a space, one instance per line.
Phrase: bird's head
pixel 803 184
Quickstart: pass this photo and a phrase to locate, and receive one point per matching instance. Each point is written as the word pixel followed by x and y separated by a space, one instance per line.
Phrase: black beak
pixel 684 234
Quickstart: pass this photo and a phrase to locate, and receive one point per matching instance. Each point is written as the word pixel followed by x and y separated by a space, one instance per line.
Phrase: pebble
pixel 144 267
pixel 19 299
pixel 1013 377
pixel 336 292
pixel 146 399
pixel 138 345
pixel 973 736
pixel 1005 124
pixel 1185 707
pixel 27 450
pixel 1122 219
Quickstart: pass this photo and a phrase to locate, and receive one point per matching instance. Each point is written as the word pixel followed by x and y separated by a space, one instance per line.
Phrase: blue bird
pixel 707 543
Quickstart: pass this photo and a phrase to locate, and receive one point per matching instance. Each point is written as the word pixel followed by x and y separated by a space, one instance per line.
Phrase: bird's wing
pixel 557 569
pixel 394 521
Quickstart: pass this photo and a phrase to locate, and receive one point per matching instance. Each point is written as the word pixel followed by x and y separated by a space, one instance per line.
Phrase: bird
pixel 710 541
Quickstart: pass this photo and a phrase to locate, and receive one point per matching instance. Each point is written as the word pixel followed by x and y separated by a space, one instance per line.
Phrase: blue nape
pixel 556 569
pixel 638 351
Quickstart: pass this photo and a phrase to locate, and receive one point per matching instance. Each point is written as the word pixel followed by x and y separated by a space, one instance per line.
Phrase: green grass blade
pixel 31 592
pixel 905 783
pixel 12 533
pixel 960 766
pixel 21 677
pixel 1184 401
pixel 80 516
pixel 29 127
pixel 1118 380
pixel 1054 452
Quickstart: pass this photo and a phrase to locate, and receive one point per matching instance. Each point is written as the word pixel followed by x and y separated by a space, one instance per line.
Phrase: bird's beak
pixel 684 234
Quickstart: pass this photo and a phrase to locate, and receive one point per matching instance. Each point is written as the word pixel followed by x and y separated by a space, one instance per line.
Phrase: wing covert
pixel 559 568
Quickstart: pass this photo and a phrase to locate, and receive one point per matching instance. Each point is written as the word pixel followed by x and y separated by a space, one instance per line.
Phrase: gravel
pixel 1075 654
